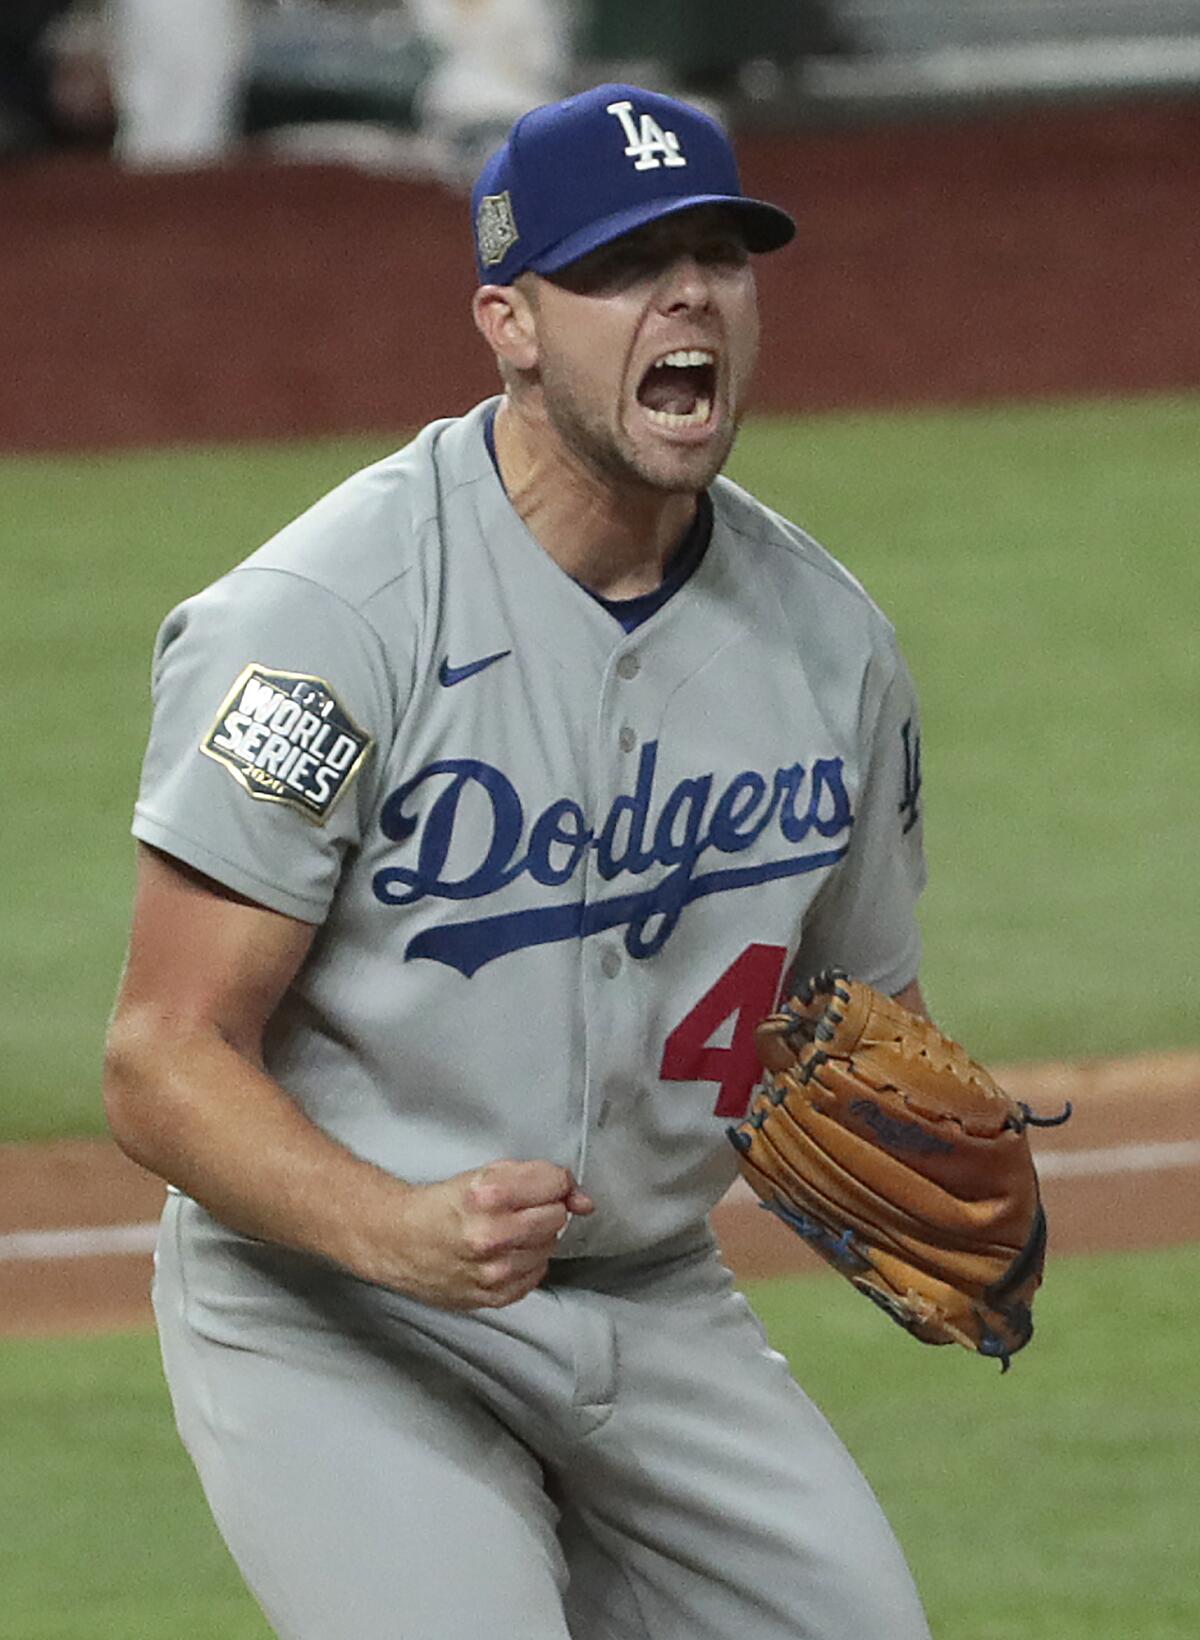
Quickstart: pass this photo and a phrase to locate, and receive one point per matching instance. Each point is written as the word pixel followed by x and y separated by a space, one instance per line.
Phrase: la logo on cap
pixel 648 143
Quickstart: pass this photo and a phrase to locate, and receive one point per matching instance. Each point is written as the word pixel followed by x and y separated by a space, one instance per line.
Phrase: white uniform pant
pixel 619 1456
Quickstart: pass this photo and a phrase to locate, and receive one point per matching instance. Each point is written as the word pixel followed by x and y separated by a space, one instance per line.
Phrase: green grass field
pixel 1039 563
pixel 1057 1503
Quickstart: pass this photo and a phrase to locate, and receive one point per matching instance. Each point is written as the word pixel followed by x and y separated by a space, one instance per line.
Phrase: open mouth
pixel 678 390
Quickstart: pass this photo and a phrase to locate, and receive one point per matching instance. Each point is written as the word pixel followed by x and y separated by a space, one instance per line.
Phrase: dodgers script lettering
pixel 642 830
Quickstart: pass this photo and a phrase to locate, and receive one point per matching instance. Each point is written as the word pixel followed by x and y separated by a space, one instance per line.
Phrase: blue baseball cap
pixel 576 174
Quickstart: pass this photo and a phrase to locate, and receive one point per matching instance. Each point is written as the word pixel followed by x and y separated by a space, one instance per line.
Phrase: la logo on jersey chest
pixel 647 144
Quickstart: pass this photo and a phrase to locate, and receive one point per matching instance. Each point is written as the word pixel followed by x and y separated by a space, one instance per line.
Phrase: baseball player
pixel 485 811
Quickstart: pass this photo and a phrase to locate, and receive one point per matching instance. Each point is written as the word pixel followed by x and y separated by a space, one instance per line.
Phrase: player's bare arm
pixel 187 1098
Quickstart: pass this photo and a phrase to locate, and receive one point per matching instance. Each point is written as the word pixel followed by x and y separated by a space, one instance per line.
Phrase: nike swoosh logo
pixel 449 675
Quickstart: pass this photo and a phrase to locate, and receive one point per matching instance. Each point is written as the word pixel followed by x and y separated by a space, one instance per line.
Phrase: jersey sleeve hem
pixel 147 829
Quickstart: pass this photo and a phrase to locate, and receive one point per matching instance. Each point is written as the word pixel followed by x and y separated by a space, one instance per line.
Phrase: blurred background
pixel 235 264
pixel 220 218
pixel 185 81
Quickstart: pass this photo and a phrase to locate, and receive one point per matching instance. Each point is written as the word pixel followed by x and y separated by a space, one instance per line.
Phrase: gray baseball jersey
pixel 559 871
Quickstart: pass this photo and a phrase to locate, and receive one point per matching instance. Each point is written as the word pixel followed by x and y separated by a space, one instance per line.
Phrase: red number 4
pixel 748 989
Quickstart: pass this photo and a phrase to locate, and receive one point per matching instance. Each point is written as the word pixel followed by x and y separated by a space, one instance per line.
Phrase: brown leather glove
pixel 901 1162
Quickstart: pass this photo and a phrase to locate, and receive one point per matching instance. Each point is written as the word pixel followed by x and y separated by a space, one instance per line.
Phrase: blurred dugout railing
pixel 938 50
pixel 925 25
pixel 846 58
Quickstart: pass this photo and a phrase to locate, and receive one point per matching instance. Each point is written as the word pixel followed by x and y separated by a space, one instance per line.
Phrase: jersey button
pixel 627 740
pixel 610 963
pixel 628 666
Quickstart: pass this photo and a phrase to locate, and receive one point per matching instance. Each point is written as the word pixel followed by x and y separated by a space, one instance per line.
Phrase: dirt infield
pixel 1123 1173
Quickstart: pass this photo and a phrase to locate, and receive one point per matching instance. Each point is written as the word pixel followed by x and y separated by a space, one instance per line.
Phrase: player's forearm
pixel 190 1107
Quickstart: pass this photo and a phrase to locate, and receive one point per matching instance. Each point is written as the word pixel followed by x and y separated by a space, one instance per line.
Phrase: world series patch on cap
pixel 285 737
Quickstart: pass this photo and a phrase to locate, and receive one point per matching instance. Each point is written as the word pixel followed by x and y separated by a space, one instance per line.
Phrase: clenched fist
pixel 482 1239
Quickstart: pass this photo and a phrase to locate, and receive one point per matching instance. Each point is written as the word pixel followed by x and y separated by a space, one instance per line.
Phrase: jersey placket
pixel 644 673
pixel 614 1025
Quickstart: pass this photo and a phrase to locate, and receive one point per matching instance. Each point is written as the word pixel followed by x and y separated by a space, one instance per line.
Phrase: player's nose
pixel 686 284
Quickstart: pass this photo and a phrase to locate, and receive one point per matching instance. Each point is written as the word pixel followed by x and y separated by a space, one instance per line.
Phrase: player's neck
pixel 614 539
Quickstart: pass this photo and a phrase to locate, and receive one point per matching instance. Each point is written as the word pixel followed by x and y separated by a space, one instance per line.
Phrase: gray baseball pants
pixel 618 1456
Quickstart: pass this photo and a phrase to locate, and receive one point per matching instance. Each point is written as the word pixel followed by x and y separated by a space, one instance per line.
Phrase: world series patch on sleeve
pixel 285 737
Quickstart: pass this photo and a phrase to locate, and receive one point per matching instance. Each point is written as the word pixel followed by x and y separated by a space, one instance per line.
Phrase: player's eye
pixel 601 274
pixel 646 255
pixel 727 252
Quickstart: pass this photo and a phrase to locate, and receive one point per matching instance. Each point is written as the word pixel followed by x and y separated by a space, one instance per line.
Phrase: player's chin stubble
pixel 618 459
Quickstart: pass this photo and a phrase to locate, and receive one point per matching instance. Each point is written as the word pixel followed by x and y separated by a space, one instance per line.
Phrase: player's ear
pixel 505 319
